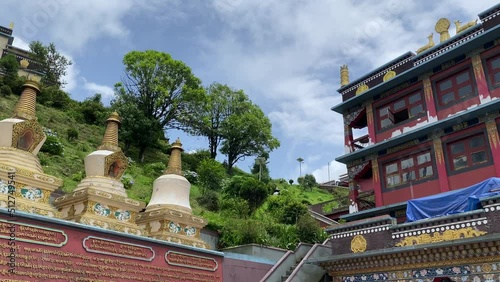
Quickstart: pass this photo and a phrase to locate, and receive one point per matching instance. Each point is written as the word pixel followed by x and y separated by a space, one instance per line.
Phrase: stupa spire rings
pixel 175 162
pixel 344 75
pixel 26 106
pixel 110 139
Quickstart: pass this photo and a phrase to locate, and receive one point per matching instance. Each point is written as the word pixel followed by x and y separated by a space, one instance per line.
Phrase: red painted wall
pixel 244 271
pixel 70 261
pixel 365 184
pixel 444 113
pixel 404 194
pixel 466 179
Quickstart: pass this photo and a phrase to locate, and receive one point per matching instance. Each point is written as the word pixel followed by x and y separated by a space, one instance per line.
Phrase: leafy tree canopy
pixel 54 64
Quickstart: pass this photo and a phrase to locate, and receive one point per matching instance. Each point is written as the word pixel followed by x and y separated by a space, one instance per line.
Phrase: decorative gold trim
pixel 438 150
pixel 358 244
pixel 115 165
pixel 344 75
pixel 389 75
pixel 477 65
pixel 491 128
pixel 362 88
pixel 448 235
pixel 427 89
pixel 21 128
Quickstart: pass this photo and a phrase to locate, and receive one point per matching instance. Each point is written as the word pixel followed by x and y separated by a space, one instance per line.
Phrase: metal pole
pixel 328 171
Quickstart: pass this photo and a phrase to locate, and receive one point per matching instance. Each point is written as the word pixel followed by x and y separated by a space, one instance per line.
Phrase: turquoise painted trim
pixel 248 258
pixel 377 70
pixel 21 214
pixel 370 213
pixel 420 131
pixel 476 42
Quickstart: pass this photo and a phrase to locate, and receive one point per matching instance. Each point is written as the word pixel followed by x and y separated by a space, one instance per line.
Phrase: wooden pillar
pixel 440 163
pixel 371 123
pixel 377 187
pixel 494 139
pixel 429 99
pixel 482 85
pixel 348 139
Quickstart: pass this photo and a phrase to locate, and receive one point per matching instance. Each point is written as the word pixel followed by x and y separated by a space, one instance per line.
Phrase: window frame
pixel 408 106
pixel 488 69
pixel 455 87
pixel 468 151
pixel 415 168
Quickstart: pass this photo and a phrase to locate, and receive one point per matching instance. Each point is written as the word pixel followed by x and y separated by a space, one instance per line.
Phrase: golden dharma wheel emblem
pixel 442 25
pixel 358 244
pixel 362 88
pixel 389 75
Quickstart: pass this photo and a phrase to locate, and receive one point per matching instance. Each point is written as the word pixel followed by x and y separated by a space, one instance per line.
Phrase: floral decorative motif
pixel 190 231
pixel 366 277
pixel 122 215
pixel 4 188
pixel 31 193
pixel 101 210
pixel 451 271
pixel 174 227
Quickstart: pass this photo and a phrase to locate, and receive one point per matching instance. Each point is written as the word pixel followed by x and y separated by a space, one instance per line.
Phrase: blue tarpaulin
pixel 456 201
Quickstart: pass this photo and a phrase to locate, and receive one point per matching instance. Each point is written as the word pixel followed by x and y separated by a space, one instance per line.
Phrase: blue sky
pixel 285 55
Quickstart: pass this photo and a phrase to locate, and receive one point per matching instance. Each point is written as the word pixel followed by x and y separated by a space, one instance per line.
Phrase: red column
pixel 371 124
pixel 491 127
pixel 429 99
pixel 348 139
pixel 482 85
pixel 441 165
pixel 377 187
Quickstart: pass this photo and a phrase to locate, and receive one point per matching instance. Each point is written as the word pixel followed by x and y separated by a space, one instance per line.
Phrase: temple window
pixel 408 169
pixel 467 152
pixel 455 88
pixel 398 111
pixel 493 71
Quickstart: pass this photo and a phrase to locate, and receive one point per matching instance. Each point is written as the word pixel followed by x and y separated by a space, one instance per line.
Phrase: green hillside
pixel 276 220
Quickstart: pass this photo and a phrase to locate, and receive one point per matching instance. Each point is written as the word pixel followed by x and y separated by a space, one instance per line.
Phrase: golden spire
pixel 24 63
pixel 25 107
pixel 11 25
pixel 344 75
pixel 110 139
pixel 175 163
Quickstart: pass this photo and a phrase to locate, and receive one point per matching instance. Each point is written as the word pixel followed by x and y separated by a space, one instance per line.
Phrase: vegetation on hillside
pixel 242 207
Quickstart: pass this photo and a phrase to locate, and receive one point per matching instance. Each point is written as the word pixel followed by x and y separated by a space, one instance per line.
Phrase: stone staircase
pixel 289 272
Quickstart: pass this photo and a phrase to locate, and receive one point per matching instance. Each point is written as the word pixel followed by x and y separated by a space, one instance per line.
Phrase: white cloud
pixel 334 170
pixel 106 91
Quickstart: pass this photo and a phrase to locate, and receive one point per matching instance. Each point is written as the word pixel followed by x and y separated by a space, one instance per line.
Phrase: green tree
pixel 54 64
pixel 208 114
pixel 93 110
pixel 260 168
pixel 246 133
pixel 249 188
pixel 136 128
pixel 307 182
pixel 9 66
pixel 309 230
pixel 285 208
pixel 211 173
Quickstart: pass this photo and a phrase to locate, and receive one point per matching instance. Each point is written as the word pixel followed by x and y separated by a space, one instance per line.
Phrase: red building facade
pixel 432 119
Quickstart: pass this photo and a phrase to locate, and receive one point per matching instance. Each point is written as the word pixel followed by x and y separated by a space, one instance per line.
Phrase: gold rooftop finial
pixel 175 163
pixel 344 75
pixel 110 139
pixel 11 25
pixel 442 27
pixel 26 106
pixel 428 45
pixel 460 27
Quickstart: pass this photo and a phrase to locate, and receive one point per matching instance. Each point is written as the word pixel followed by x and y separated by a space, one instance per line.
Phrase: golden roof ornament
pixel 11 25
pixel 344 75
pixel 110 139
pixel 442 27
pixel 390 74
pixel 362 88
pixel 175 162
pixel 26 106
pixel 460 27
pixel 428 45
pixel 24 63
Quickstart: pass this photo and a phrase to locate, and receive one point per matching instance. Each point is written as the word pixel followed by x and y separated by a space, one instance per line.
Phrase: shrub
pixel 191 176
pixel 248 188
pixel 53 146
pixel 127 181
pixel 309 230
pixel 209 199
pixel 78 176
pixel 235 207
pixel 52 96
pixel 211 174
pixel 154 169
pixel 286 209
pixel 72 134
pixel 5 90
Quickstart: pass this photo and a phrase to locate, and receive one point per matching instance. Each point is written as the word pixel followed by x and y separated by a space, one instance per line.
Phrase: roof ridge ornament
pixel 442 27
pixel 428 45
pixel 460 27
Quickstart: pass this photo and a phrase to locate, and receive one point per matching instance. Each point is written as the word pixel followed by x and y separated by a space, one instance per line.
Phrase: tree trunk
pixel 142 152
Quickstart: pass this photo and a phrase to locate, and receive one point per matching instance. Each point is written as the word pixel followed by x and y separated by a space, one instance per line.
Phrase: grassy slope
pixel 70 166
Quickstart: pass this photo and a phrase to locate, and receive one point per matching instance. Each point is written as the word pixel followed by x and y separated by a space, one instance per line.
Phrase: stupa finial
pixel 175 162
pixel 110 139
pixel 26 106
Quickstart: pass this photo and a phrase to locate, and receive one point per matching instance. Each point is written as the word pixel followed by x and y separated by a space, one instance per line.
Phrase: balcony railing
pixel 361 142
